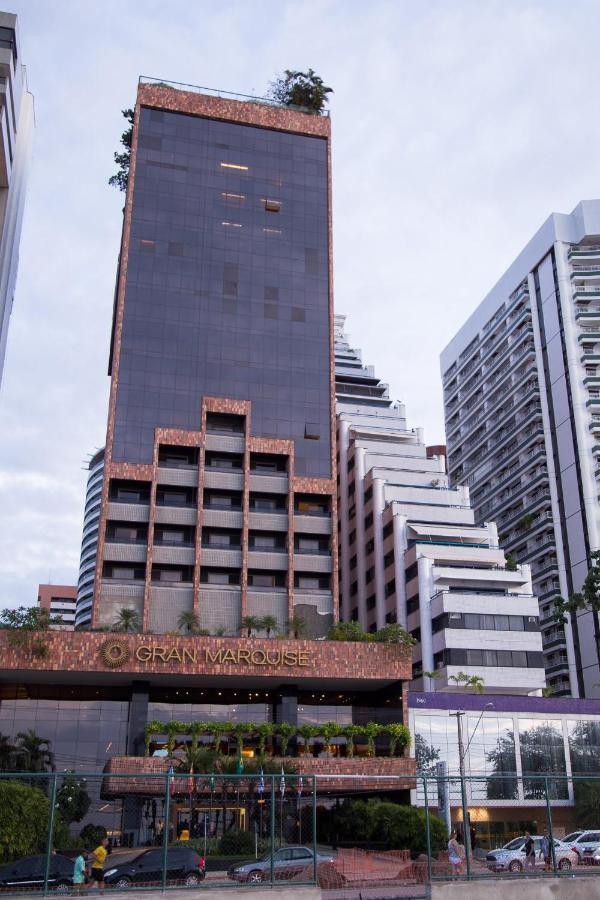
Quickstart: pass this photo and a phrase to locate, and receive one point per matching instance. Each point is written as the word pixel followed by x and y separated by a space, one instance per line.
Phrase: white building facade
pixel 522 408
pixel 16 144
pixel 411 553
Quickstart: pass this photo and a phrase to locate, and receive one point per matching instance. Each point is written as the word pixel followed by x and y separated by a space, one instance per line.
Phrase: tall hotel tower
pixel 16 144
pixel 521 397
pixel 219 473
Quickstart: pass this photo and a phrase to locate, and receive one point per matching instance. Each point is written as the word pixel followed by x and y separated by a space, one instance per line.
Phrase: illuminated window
pixel 232 199
pixel 237 166
pixel 147 246
pixel 272 230
pixel 271 205
pixel 232 224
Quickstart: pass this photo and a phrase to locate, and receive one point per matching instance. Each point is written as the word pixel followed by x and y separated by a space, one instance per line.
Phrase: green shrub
pixel 23 820
pixel 389 824
pixel 237 843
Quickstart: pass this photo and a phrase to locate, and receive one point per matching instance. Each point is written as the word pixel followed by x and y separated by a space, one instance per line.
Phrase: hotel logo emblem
pixel 114 653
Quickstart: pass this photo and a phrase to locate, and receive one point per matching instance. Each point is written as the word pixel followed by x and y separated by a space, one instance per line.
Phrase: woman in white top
pixel 455 853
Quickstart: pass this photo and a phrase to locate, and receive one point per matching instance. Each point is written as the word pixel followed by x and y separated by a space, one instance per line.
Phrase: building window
pixel 388 529
pixel 370 574
pixel 368 493
pixel 175 248
pixel 354 588
pixel 298 314
pixel 390 588
pixel 371 602
pixel 312 431
pixel 271 294
pixel 272 206
pixel 270 311
pixel 368 520
pixel 388 559
pixel 353 562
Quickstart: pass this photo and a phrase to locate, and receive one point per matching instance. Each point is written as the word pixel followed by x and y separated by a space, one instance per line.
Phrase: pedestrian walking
pixel 99 858
pixel 529 848
pixel 547 852
pixel 79 873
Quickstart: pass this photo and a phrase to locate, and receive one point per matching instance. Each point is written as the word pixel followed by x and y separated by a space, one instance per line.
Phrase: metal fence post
pixel 167 825
pixel 466 824
pixel 314 827
pixel 50 832
pixel 272 829
pixel 427 828
pixel 550 834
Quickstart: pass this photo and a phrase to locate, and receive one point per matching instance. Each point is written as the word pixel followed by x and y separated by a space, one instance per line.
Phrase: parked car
pixel 584 843
pixel 511 857
pixel 287 862
pixel 28 873
pixel 184 867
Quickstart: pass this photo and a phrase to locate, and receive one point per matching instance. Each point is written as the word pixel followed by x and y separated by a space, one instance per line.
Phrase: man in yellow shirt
pixel 99 857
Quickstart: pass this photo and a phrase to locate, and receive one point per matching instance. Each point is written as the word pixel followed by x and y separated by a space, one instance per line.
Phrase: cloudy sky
pixel 458 127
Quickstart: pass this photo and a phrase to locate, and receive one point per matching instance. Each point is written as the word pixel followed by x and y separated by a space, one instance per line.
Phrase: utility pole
pixel 463 791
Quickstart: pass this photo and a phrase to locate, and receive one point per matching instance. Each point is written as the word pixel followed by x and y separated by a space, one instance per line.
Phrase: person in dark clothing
pixel 529 848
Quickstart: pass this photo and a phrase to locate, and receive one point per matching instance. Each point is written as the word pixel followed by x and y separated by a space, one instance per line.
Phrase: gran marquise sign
pixel 116 652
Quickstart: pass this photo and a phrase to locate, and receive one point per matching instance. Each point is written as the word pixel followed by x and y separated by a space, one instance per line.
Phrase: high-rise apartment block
pixel 16 144
pixel 89 540
pixel 219 470
pixel 410 551
pixel 521 394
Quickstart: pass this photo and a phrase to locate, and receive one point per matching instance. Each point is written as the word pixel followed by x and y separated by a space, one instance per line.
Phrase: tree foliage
pixel 353 631
pixel 127 621
pixel 586 600
pixel 24 814
pixel 587 803
pixel 123 160
pixel 303 89
pixel 91 835
pixel 473 683
pixel 72 799
pixel 27 627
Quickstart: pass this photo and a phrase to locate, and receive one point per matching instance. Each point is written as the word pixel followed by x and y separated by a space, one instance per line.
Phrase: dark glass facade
pixel 227 290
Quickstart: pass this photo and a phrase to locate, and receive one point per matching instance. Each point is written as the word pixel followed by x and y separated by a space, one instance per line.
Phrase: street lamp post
pixel 461 766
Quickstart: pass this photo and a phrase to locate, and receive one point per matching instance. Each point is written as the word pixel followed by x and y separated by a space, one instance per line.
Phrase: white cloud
pixel 458 127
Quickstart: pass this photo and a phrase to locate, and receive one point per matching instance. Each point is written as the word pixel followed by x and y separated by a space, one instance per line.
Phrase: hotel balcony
pixel 180 476
pixel 127 512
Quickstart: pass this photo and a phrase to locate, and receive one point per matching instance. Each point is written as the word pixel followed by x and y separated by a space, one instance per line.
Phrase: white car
pixel 585 844
pixel 511 857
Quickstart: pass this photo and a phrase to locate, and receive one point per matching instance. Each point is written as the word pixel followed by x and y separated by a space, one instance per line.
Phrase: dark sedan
pixel 184 867
pixel 28 874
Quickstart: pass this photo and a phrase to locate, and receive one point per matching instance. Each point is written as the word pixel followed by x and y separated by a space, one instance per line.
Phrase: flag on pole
pixel 282 782
pixel 261 782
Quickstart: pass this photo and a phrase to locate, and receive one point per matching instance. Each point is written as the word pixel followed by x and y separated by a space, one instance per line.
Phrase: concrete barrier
pixel 521 888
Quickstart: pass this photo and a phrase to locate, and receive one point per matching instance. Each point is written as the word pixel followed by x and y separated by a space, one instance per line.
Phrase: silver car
pixel 585 844
pixel 287 863
pixel 511 857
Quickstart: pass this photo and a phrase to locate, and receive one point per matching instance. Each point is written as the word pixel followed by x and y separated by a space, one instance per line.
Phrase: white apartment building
pixel 60 601
pixel 16 144
pixel 411 553
pixel 522 407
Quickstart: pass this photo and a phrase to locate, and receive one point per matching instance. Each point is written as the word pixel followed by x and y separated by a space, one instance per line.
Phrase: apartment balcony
pixel 230 443
pixel 226 480
pixel 589 356
pixel 130 591
pixel 175 515
pixel 584 253
pixel 585 294
pixel 125 552
pixel 128 512
pixel 270 484
pixel 221 518
pixel 593 403
pixel 558 667
pixel 268 521
pixel 589 333
pixel 173 555
pixel 179 476
pixel 228 558
pixel 180 594
pixel 268 559
pixel 585 271
pixel 587 315
pixel 313 562
pixel 306 524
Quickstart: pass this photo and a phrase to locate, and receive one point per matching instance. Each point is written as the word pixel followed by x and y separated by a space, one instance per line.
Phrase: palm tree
pixel 127 621
pixel 251 623
pixel 297 626
pixel 33 752
pixel 188 621
pixel 7 753
pixel 268 623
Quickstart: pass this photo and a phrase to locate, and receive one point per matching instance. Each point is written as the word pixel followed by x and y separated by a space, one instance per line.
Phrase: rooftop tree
pixel 303 89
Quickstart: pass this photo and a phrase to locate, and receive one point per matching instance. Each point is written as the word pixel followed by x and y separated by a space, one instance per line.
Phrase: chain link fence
pixel 344 833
